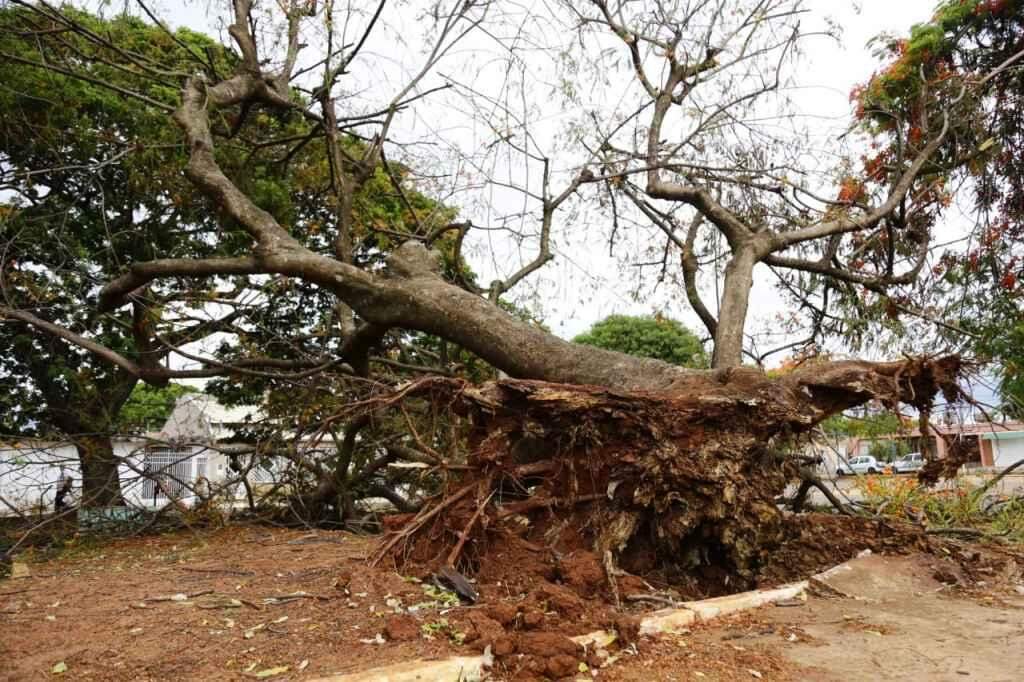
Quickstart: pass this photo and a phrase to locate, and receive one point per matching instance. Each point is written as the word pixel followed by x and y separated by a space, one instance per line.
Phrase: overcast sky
pixel 584 283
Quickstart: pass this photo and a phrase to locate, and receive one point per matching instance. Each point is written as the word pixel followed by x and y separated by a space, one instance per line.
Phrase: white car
pixel 912 461
pixel 862 464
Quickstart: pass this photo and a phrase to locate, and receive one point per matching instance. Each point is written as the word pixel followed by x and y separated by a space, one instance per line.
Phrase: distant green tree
pixel 1007 346
pixel 870 426
pixel 647 337
pixel 148 407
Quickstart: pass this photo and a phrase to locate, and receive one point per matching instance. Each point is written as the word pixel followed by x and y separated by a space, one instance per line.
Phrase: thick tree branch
pixel 116 292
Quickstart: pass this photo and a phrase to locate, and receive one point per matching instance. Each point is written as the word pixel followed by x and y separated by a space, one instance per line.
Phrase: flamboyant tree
pixel 974 286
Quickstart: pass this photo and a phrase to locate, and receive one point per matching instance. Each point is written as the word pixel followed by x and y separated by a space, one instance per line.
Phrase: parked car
pixel 862 464
pixel 912 461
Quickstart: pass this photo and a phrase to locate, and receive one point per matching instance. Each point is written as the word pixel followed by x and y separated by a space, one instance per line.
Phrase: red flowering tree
pixel 974 47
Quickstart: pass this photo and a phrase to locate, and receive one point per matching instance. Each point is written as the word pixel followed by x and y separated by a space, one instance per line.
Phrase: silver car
pixel 912 461
pixel 862 464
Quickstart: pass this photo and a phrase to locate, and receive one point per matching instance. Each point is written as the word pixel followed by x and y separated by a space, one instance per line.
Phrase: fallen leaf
pixel 19 569
pixel 302 666
pixel 270 672
pixel 59 668
pixel 754 673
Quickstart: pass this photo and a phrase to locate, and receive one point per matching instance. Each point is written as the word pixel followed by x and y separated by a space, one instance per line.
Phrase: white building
pixel 1002 449
pixel 189 455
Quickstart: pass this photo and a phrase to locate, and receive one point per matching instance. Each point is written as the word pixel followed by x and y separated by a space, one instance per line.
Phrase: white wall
pixel 1007 451
pixel 30 472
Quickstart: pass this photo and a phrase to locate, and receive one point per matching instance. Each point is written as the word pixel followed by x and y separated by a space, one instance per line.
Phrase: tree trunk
pixel 101 481
pixel 413 295
pixel 739 278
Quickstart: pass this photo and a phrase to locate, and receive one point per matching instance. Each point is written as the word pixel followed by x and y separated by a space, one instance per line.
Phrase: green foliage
pixel 148 407
pixel 888 450
pixel 871 426
pixel 94 182
pixel 649 337
pixel 961 506
pixel 1007 345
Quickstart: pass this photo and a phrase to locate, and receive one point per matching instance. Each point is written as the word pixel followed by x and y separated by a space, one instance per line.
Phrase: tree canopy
pixel 656 337
pixel 970 49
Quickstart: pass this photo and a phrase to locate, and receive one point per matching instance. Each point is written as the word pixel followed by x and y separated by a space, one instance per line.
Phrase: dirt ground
pixel 893 621
pixel 257 603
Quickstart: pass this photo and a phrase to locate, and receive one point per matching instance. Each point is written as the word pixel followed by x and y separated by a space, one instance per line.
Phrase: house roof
pixel 1005 435
pixel 973 429
pixel 199 417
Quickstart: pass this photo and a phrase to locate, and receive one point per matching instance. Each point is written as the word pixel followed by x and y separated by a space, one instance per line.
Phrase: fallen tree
pixel 647 461
pixel 670 480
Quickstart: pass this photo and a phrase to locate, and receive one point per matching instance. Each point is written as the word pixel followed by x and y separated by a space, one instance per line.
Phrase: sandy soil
pixel 896 622
pixel 92 609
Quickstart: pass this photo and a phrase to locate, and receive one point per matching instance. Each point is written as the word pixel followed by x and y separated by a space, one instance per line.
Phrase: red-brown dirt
pixel 108 611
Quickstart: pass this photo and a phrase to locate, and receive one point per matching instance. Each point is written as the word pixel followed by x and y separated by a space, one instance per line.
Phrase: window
pixel 168 470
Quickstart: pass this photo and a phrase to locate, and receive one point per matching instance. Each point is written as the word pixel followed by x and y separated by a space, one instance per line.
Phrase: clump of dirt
pixel 401 628
pixel 814 542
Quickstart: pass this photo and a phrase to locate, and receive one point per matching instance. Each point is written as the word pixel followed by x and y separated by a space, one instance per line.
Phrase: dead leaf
pixel 270 672
pixel 19 569
pixel 59 668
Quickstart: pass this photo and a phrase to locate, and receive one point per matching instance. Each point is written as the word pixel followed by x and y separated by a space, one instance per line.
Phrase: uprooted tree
pixel 640 454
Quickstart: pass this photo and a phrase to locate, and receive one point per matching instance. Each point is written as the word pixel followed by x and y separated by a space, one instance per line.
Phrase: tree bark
pixel 101 480
pixel 732 317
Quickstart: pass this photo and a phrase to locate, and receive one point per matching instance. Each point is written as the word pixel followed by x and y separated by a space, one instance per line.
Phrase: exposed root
pixel 678 482
pixel 453 556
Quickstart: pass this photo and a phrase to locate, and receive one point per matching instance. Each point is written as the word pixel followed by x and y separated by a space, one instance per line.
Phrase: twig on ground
pixel 228 571
pixel 285 598
pixel 178 597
